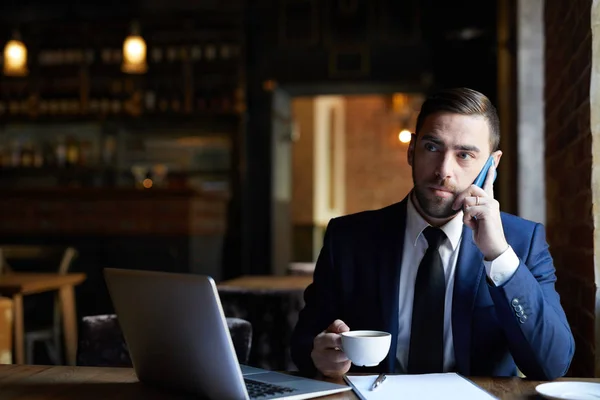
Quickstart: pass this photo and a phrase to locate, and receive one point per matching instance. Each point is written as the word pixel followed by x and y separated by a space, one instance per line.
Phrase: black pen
pixel 378 381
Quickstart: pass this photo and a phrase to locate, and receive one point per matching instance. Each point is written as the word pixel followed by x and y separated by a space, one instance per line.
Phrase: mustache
pixel 442 185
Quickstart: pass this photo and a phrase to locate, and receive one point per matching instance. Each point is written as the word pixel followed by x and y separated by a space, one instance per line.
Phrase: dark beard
pixel 433 206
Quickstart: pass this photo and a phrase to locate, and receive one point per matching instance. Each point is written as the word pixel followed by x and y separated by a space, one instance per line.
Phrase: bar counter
pixel 172 230
pixel 114 211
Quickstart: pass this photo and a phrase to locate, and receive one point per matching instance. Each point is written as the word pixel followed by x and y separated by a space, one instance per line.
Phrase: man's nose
pixel 445 166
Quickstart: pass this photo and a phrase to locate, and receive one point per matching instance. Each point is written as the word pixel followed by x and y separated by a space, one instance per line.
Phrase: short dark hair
pixel 462 101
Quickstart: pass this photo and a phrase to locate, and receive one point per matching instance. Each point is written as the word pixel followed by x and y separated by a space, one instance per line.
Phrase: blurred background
pixel 219 137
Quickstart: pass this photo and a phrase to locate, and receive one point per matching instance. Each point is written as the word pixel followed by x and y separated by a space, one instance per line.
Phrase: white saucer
pixel 569 390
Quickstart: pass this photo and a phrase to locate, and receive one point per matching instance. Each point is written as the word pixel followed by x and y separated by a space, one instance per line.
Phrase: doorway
pixel 348 154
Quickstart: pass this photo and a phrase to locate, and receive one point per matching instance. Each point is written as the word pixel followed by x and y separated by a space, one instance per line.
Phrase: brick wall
pixel 377 173
pixel 568 168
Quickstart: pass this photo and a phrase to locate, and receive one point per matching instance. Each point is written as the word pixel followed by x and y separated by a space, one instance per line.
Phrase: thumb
pixel 338 326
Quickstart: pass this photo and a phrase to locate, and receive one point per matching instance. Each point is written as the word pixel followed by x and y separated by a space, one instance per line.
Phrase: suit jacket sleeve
pixel 532 317
pixel 321 306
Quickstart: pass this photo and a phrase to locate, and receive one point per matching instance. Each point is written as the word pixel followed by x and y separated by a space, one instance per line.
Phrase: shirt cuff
pixel 501 269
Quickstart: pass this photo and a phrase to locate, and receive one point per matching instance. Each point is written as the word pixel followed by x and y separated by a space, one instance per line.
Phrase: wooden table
pixel 17 285
pixel 268 282
pixel 271 304
pixel 20 382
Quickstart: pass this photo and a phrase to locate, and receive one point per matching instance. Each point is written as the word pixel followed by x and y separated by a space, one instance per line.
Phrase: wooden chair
pixel 50 336
pixel 101 342
pixel 6 330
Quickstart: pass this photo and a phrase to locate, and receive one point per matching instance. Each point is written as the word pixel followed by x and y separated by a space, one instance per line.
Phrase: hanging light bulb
pixel 134 53
pixel 15 57
pixel 404 136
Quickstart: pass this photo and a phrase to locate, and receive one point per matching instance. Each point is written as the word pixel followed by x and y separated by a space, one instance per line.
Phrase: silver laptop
pixel 178 337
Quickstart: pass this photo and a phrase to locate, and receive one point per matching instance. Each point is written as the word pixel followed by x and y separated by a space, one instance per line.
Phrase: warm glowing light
pixel 147 183
pixel 399 102
pixel 404 136
pixel 134 55
pixel 269 85
pixel 15 58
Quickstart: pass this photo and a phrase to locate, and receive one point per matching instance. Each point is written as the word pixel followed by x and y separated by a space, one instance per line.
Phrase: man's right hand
pixel 327 355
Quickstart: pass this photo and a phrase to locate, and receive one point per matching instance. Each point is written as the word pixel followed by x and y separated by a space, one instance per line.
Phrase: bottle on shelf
pixel 48 153
pixel 27 154
pixel 85 154
pixel 4 157
pixel 15 153
pixel 38 156
pixel 61 152
pixel 73 152
pixel 108 153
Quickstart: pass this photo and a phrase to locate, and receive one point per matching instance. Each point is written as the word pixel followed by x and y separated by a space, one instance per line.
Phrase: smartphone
pixel 484 171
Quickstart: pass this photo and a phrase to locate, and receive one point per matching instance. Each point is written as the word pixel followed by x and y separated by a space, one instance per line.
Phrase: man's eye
pixel 464 156
pixel 430 147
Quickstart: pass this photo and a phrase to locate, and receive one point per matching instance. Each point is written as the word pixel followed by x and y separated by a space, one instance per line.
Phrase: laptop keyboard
pixel 261 389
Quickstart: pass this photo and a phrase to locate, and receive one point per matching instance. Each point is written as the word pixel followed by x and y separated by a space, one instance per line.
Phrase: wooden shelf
pixel 120 211
pixel 228 121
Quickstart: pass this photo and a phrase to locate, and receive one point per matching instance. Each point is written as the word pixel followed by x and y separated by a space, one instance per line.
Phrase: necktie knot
pixel 435 236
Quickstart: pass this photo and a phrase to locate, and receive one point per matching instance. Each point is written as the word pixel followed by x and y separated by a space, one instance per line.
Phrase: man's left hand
pixel 487 227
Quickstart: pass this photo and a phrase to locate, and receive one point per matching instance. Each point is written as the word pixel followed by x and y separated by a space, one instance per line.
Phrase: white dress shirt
pixel 499 271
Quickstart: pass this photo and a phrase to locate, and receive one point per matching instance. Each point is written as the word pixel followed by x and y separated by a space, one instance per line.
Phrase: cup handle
pixel 341 346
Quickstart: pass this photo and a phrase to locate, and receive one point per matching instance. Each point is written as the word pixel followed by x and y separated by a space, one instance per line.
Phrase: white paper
pixel 419 387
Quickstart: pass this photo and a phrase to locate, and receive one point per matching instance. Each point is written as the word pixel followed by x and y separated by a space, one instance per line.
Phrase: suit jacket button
pixel 515 302
pixel 523 319
pixel 520 313
pixel 518 308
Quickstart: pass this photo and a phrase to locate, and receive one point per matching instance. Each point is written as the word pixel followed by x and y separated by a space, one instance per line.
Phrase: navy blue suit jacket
pixel 356 279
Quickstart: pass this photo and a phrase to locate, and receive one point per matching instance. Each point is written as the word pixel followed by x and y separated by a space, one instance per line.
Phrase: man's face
pixel 448 154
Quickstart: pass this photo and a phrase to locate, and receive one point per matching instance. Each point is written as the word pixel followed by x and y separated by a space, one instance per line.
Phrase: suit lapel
pixel 391 244
pixel 469 270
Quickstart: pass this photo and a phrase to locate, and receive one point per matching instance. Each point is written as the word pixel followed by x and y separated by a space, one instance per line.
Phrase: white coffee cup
pixel 366 348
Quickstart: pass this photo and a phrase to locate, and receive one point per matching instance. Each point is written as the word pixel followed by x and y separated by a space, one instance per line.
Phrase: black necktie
pixel 426 354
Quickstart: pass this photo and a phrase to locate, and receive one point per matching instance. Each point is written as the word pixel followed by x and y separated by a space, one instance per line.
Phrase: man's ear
pixel 411 149
pixel 497 156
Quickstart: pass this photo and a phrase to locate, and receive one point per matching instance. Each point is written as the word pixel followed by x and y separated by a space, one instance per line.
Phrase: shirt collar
pixel 415 225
